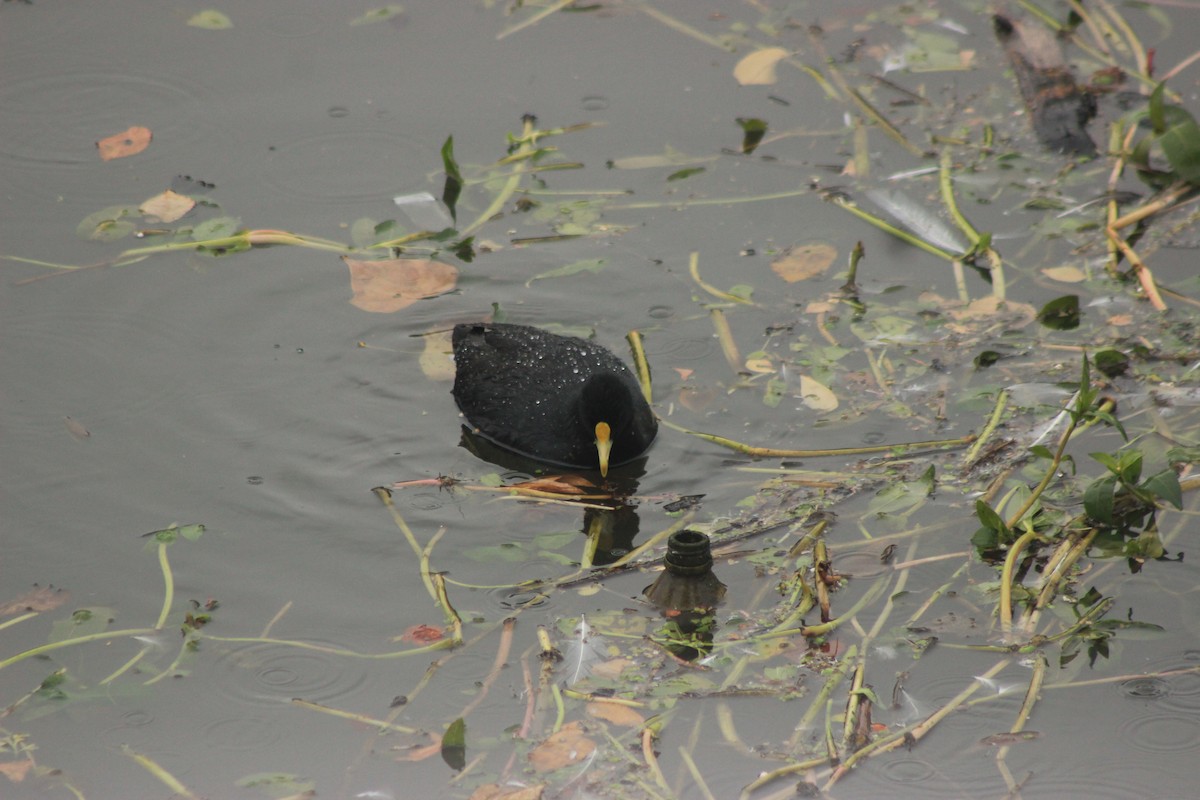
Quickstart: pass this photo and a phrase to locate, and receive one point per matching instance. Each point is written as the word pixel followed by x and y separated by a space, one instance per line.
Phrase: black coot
pixel 553 398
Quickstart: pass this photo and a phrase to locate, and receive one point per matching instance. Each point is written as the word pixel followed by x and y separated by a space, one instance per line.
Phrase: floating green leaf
pixel 576 268
pixel 378 14
pixel 210 19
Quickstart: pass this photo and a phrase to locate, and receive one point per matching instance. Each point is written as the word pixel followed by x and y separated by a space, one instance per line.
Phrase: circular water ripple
pixel 348 166
pixel 680 349
pixel 1182 677
pixel 1004 697
pixel 1162 732
pixel 1146 688
pixel 55 121
pixel 269 674
pixel 908 771
pixel 906 776
pixel 1114 783
pixel 73 348
pixel 241 733
pixel 513 599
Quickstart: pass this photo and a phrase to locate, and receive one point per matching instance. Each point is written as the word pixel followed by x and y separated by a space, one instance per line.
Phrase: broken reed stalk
pixel 773 452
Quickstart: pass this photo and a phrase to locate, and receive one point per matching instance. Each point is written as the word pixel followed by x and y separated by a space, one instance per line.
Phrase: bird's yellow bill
pixel 603 446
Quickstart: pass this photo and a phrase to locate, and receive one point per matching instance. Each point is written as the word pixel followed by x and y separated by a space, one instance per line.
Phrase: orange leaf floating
pixel 568 746
pixel 396 283
pixel 494 791
pixel 804 261
pixel 615 713
pixel 127 143
pixel 41 598
pixel 422 634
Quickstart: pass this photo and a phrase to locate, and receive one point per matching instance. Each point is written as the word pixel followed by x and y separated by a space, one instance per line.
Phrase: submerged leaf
pixel 378 14
pixel 1061 314
pixel 39 598
pixel 803 261
pixel 592 265
pixel 392 284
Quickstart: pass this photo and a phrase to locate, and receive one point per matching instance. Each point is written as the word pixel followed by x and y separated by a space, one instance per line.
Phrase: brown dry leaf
pixel 615 713
pixel 758 68
pixel 437 359
pixel 494 791
pixel 15 771
pixel 1065 274
pixel 816 395
pixel 167 207
pixel 803 261
pixel 992 308
pixel 39 598
pixel 558 484
pixel 126 143
pixel 568 746
pixel 395 283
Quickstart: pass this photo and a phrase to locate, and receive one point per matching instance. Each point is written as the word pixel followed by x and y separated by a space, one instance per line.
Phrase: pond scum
pixel 601 691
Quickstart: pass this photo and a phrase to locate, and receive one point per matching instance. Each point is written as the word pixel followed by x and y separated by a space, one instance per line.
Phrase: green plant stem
pixel 834 677
pixel 772 452
pixel 946 183
pixel 168 586
pixel 989 427
pixel 913 733
pixel 155 769
pixel 385 496
pixel 1006 578
pixel 525 149
pixel 1031 697
pixel 441 644
pixel 91 637
pixel 886 227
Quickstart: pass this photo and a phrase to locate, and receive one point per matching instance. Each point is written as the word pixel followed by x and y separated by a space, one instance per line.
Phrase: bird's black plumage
pixel 543 395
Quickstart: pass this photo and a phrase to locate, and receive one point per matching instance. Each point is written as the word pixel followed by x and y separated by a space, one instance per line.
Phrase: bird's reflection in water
pixel 614 528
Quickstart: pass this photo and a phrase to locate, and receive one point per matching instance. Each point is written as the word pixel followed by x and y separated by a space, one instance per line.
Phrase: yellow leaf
pixel 436 360
pixel 1065 274
pixel 167 207
pixel 816 395
pixel 758 68
pixel 762 366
